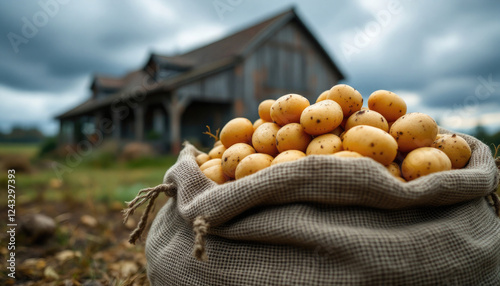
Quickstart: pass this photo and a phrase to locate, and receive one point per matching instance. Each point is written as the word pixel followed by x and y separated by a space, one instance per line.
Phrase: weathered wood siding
pixel 288 62
pixel 216 87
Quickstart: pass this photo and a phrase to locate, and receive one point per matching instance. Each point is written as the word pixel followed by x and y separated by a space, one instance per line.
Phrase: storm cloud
pixel 442 57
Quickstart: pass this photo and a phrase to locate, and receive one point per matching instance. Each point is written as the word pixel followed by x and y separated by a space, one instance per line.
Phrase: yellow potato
pixel 265 110
pixel 202 158
pixel 323 95
pixel 288 156
pixel 414 130
pixel 424 161
pixel 401 179
pixel 238 130
pixel 349 99
pixel 387 103
pixel 371 142
pixel 258 123
pixel 288 108
pixel 455 147
pixel 233 156
pixel 324 144
pixel 252 164
pixel 210 163
pixel 367 117
pixel 321 117
pixel 264 138
pixel 216 174
pixel 217 143
pixel 394 169
pixel 217 152
pixel 347 154
pixel 292 137
pixel 337 131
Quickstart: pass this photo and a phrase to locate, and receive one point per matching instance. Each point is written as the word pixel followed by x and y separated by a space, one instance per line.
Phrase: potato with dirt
pixel 233 156
pixel 455 147
pixel 371 142
pixel 252 164
pixel 292 137
pixel 321 117
pixel 288 108
pixel 264 138
pixel 387 103
pixel 367 117
pixel 324 145
pixel 424 161
pixel 237 130
pixel 349 99
pixel 414 130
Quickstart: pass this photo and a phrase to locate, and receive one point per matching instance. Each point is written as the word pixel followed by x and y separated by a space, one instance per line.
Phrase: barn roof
pixel 203 60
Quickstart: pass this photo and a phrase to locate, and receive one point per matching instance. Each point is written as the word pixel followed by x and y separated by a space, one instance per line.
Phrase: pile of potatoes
pixel 337 124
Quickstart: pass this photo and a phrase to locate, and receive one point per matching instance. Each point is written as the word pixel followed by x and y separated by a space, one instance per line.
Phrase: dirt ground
pixel 89 247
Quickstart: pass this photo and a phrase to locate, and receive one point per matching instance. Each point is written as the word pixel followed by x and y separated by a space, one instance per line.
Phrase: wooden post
pixel 139 123
pixel 117 125
pixel 176 107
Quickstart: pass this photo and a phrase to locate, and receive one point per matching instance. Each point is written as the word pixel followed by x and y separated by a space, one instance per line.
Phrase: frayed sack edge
pixel 149 195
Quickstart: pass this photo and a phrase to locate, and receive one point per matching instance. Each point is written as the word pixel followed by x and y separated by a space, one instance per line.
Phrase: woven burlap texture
pixel 324 220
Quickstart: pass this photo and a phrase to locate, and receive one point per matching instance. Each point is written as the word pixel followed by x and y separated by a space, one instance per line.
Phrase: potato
pixel 217 143
pixel 324 144
pixel 238 130
pixel 288 108
pixel 337 131
pixel 210 163
pixel 423 161
pixel 292 137
pixel 288 156
pixel 257 123
pixel 233 156
pixel 414 130
pixel 394 169
pixel 321 117
pixel 371 142
pixel 367 117
pixel 252 164
pixel 265 110
pixel 217 152
pixel 216 174
pixel 202 158
pixel 349 99
pixel 323 95
pixel 347 154
pixel 387 103
pixel 264 138
pixel 455 147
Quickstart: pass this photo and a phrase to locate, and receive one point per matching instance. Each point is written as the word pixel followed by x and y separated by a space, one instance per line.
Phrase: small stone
pixel 38 227
pixel 89 221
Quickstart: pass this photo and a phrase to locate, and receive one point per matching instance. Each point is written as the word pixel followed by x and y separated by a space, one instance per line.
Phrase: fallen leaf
pixel 66 255
pixel 50 273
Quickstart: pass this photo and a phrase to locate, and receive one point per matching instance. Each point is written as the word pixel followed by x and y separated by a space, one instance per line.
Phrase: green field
pixel 29 150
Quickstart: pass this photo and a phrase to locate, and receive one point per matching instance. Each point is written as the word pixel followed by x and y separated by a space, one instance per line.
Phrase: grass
pixel 29 149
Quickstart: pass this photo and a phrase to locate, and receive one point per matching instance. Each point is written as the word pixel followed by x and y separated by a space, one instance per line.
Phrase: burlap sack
pixel 324 220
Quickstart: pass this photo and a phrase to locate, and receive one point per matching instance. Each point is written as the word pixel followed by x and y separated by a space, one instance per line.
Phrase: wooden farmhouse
pixel 172 98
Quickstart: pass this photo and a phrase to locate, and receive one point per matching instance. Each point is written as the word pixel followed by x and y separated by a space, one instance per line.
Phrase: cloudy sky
pixel 442 57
